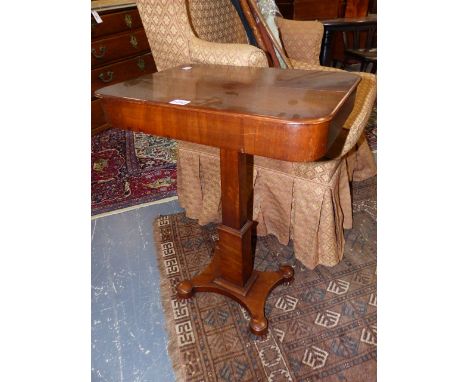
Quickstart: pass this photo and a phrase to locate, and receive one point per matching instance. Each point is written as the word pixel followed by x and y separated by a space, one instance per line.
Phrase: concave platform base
pixel 252 297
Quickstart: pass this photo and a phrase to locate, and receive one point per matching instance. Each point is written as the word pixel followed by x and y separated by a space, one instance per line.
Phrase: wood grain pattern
pixel 119 51
pixel 356 8
pixel 316 9
pixel 98 119
pixel 118 46
pixel 116 22
pixel 121 71
pixel 283 114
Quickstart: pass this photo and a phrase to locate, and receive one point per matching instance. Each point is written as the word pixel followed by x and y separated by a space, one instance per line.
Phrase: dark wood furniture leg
pixel 325 54
pixel 231 270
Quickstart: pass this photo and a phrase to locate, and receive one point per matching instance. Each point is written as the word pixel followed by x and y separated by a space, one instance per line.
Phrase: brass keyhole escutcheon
pixel 141 64
pixel 133 41
pixel 128 20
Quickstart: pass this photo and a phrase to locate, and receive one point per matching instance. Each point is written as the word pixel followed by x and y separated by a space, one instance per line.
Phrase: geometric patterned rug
pixel 371 130
pixel 130 168
pixel 322 327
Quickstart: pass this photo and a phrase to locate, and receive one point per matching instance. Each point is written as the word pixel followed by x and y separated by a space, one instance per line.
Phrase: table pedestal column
pixel 231 270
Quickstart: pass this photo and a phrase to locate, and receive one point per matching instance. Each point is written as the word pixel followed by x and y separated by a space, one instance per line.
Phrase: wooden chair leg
pixel 363 66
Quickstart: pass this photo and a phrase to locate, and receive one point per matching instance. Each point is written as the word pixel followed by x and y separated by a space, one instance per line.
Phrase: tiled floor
pixel 128 328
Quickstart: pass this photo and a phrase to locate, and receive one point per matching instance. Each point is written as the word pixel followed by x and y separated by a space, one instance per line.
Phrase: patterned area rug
pixel 371 130
pixel 322 327
pixel 130 168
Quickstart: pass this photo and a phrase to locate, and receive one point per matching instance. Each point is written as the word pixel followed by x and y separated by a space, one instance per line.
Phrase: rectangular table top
pixel 295 95
pixel 208 103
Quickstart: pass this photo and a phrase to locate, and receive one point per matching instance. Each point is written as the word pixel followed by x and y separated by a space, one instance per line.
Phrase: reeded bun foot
pixel 287 272
pixel 259 326
pixel 185 289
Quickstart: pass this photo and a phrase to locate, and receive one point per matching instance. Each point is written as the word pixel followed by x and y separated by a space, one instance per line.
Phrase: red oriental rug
pixel 129 169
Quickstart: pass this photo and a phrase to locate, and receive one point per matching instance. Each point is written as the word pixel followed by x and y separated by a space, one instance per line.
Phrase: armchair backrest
pixel 170 24
pixel 216 21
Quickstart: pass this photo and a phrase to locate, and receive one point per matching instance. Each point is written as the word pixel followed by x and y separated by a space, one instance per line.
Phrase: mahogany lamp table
pixel 291 115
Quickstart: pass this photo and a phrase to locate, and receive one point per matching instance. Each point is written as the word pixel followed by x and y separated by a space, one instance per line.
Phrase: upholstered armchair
pixel 308 203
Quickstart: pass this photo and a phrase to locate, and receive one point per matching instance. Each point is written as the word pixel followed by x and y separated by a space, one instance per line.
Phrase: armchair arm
pixel 207 52
pixel 366 93
pixel 297 64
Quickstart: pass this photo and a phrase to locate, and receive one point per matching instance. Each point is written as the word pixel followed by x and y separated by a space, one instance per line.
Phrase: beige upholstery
pixel 301 40
pixel 207 52
pixel 216 21
pixel 307 202
pixel 171 30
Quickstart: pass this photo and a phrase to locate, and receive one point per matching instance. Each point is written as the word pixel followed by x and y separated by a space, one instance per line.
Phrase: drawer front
pixel 286 8
pixel 316 9
pixel 98 118
pixel 121 71
pixel 113 48
pixel 116 22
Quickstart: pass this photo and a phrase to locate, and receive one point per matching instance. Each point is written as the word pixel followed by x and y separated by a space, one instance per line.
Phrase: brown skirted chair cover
pixel 309 203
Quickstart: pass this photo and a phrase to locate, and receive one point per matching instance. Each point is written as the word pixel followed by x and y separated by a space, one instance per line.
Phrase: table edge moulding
pixel 228 109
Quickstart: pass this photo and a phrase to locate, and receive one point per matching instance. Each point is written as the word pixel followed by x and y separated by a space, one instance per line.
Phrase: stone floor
pixel 129 340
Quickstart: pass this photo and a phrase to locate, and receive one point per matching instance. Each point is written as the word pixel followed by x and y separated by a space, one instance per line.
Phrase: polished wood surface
pixel 343 22
pixel 115 22
pixel 325 9
pixel 121 71
pixel 98 118
pixel 118 46
pixel 284 114
pixel 119 51
pixel 356 8
pixel 311 9
pixel 346 25
pixel 291 113
pixel 316 9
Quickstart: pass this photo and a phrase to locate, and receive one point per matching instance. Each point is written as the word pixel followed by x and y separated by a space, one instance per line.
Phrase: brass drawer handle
pixel 110 76
pixel 102 52
pixel 128 20
pixel 141 64
pixel 133 41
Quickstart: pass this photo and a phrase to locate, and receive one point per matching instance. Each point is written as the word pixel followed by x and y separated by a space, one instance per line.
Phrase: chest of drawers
pixel 119 52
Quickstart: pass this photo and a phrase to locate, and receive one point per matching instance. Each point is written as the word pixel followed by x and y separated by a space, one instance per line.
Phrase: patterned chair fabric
pixel 216 21
pixel 301 40
pixel 172 25
pixel 308 203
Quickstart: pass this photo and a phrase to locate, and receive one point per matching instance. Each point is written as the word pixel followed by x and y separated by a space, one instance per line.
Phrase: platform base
pixel 252 297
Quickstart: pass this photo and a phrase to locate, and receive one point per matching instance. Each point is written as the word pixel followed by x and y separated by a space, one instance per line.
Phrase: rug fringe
pixel 166 298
